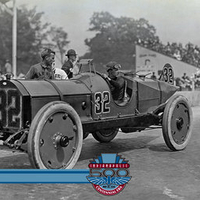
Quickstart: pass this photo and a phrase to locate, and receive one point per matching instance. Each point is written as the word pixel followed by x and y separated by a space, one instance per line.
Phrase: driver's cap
pixel 71 52
pixel 113 65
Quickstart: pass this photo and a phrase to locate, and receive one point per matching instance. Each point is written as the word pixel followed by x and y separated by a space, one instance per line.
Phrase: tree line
pixel 115 38
pixel 32 36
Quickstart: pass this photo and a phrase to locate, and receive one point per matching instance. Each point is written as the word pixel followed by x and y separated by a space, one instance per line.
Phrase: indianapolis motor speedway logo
pixel 109 174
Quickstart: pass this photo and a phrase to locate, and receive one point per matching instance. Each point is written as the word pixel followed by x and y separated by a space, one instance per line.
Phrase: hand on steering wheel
pixel 106 76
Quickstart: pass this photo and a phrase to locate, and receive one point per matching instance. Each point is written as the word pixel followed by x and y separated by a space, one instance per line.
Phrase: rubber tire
pixel 100 137
pixel 36 126
pixel 166 122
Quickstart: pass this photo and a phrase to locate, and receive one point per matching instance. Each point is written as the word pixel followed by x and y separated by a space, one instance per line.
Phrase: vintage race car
pixel 49 119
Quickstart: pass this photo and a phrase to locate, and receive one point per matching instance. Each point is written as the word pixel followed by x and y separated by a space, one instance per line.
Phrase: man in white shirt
pixel 59 73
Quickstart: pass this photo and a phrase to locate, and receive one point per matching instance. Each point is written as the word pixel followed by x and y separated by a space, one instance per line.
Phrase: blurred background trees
pixel 32 36
pixel 116 37
pixel 58 40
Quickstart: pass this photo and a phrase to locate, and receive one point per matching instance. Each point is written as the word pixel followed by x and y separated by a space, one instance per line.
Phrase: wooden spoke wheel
pixel 177 123
pixel 55 137
pixel 105 135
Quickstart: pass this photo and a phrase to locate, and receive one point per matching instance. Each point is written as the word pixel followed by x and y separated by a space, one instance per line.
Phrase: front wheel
pixel 55 137
pixel 177 123
pixel 105 135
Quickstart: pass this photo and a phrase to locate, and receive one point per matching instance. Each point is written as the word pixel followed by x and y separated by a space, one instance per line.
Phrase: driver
pixel 117 83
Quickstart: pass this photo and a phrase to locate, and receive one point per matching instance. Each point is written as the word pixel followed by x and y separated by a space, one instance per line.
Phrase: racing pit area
pixel 157 172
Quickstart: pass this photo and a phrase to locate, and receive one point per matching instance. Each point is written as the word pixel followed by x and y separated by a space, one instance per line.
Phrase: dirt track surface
pixel 157 173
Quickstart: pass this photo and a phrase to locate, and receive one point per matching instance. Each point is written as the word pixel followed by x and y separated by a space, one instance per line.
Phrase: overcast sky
pixel 174 20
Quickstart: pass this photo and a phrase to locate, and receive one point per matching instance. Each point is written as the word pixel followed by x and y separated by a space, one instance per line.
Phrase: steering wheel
pixel 108 82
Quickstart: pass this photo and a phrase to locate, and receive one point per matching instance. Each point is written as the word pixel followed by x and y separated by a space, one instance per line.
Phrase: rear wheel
pixel 177 123
pixel 105 135
pixel 55 137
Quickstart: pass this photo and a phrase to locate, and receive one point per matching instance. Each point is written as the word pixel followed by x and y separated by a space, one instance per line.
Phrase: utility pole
pixel 13 13
pixel 14 39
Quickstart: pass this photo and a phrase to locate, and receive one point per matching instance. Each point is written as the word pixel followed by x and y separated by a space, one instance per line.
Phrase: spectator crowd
pixel 189 54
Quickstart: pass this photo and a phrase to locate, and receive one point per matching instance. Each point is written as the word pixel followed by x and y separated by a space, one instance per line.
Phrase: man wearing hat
pixel 69 64
pixel 117 82
pixel 43 70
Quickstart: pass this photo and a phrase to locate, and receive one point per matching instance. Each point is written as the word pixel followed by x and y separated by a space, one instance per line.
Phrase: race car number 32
pixel 102 99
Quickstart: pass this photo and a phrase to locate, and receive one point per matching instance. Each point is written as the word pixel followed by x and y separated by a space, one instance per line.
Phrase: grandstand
pixel 148 60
